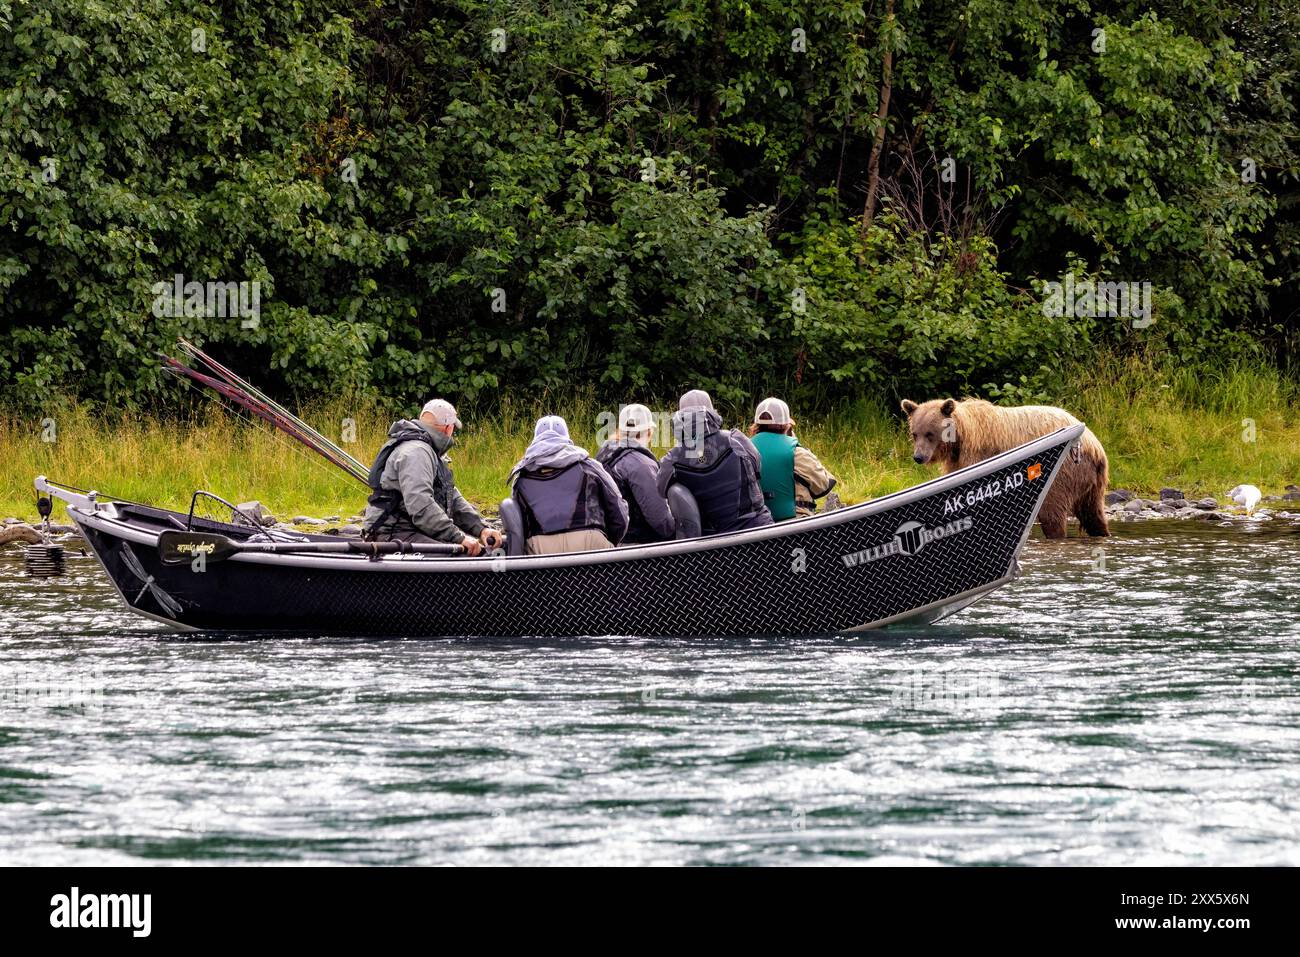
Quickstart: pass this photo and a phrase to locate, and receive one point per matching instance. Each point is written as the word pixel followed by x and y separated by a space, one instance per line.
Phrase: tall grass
pixel 1161 425
pixel 1201 429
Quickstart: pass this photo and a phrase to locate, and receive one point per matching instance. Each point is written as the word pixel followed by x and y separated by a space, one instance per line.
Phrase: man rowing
pixel 414 496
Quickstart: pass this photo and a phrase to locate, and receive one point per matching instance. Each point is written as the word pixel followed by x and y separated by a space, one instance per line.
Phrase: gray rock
pixel 258 511
pixel 14 521
pixel 1189 511
pixel 1291 497
pixel 1212 516
pixel 347 531
pixel 1206 503
pixel 308 520
pixel 1164 508
pixel 1170 493
pixel 1119 495
pixel 1178 502
pixel 832 502
pixel 330 518
pixel 1133 506
pixel 1293 488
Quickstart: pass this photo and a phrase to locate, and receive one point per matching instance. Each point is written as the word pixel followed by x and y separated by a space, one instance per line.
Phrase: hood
pixel 607 451
pixel 551 447
pixel 402 427
pixel 690 427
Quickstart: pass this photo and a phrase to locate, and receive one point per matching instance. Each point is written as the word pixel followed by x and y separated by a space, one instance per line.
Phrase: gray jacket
pixel 413 470
pixel 636 471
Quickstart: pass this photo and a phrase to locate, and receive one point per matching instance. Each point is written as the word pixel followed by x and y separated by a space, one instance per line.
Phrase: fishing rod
pixel 230 386
pixel 229 376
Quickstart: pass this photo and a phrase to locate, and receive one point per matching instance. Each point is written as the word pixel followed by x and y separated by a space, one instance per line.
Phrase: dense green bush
pixel 933 317
pixel 467 197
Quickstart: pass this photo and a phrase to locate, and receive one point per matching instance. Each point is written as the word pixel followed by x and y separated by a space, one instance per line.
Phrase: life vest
pixel 555 501
pixel 389 500
pixel 638 529
pixel 777 478
pixel 719 489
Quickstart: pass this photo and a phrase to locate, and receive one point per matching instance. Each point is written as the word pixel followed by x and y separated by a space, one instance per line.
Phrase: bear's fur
pixel 957 434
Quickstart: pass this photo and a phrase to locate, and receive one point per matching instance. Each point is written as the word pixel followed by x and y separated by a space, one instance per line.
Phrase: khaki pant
pixel 583 540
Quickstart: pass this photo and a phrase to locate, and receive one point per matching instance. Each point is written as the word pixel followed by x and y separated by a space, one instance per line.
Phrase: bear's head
pixel 934 433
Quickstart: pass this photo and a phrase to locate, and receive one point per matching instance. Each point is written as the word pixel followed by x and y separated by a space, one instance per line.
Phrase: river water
pixel 1129 704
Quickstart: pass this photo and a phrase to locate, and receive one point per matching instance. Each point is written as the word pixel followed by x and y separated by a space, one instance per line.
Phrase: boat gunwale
pixel 99 521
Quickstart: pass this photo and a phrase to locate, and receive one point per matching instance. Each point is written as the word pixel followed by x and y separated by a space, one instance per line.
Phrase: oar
pixel 177 548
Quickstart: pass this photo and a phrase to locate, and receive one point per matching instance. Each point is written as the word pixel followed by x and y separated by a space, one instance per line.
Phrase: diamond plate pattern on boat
pixel 798 583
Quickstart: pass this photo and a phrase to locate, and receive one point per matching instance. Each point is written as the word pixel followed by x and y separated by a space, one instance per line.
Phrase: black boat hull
pixel 916 555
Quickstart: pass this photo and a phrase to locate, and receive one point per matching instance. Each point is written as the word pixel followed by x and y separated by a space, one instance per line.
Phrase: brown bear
pixel 957 434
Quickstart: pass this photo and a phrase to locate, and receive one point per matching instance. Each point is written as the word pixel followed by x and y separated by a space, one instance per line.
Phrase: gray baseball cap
pixel 697 400
pixel 443 412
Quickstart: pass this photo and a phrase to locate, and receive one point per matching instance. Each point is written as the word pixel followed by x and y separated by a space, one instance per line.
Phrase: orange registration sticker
pixel 1034 471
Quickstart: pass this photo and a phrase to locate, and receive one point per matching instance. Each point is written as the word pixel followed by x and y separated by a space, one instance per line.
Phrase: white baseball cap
pixel 443 412
pixel 772 412
pixel 635 419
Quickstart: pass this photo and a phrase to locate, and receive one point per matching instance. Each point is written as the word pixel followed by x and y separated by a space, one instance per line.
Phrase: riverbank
pixel 1196 431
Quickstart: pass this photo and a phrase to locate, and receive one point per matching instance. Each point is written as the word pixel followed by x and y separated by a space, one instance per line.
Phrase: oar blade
pixel 178 548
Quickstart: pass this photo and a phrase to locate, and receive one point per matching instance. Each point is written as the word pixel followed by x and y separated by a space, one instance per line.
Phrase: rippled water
pixel 1136 704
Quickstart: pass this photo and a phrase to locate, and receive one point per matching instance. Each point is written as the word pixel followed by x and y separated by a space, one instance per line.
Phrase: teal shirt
pixel 777 478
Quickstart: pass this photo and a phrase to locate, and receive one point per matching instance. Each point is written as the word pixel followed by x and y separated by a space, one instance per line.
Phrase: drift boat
pixel 918 555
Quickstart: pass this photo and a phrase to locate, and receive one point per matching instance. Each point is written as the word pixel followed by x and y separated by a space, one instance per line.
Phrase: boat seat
pixel 686 511
pixel 512 523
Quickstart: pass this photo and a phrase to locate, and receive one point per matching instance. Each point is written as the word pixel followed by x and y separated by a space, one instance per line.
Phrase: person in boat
pixel 568 501
pixel 721 469
pixel 793 478
pixel 630 463
pixel 414 496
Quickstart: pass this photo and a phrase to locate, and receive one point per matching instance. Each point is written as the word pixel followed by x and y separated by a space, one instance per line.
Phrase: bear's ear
pixel 948 406
pixel 908 406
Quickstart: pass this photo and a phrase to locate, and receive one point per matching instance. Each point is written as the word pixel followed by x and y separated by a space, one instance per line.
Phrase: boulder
pixel 1167 494
pixel 1119 495
pixel 1206 503
pixel 1291 497
pixel 1133 506
pixel 347 531
pixel 308 520
pixel 256 510
pixel 1164 508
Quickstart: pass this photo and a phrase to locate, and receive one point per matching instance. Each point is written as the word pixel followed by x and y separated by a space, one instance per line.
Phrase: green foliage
pixel 474 199
pixel 937 317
